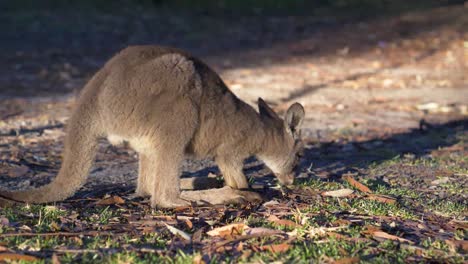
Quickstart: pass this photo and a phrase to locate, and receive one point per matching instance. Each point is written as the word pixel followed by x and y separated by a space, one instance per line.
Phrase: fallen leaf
pixel 178 232
pixel 338 193
pixel 25 228
pixel 459 224
pixel 228 230
pixel 262 230
pixel 189 223
pixel 281 222
pixel 110 201
pixel 16 257
pixel 55 259
pixel 457 245
pixel 356 184
pixel 441 181
pixel 350 260
pixel 18 171
pixel 321 231
pixel 428 106
pixel 278 248
pixel 198 259
pixel 382 234
pixel 4 221
pixel 381 198
pixel 271 203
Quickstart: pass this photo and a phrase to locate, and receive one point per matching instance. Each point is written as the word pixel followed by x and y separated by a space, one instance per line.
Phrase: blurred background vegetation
pixel 342 8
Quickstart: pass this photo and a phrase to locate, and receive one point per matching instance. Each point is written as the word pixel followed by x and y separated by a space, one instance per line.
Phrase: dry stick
pixel 102 250
pixel 67 234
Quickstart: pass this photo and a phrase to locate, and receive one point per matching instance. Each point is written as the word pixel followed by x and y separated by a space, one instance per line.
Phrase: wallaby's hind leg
pixel 162 170
pixel 232 173
pixel 144 181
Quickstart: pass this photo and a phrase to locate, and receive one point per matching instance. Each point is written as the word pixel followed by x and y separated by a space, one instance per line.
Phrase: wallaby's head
pixel 283 145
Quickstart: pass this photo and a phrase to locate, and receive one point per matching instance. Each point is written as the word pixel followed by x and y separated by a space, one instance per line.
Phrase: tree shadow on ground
pixel 337 158
pixel 60 56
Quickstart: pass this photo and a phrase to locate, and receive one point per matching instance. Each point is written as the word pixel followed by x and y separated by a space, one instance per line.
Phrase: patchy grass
pixel 415 211
pixel 319 228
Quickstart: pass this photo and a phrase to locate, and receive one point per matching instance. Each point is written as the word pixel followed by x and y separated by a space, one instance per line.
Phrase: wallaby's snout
pixel 286 179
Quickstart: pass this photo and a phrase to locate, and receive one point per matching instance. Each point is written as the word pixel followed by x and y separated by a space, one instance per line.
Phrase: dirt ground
pixel 374 90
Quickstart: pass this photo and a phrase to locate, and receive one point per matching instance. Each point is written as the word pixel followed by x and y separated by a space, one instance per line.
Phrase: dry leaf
pixel 55 259
pixel 271 203
pixel 178 232
pixel 18 171
pixel 356 184
pixel 262 230
pixel 16 257
pixel 441 181
pixel 4 221
pixel 198 259
pixel 382 234
pixel 281 222
pixel 189 223
pixel 110 201
pixel 347 260
pixel 381 198
pixel 320 231
pixel 456 245
pixel 338 193
pixel 240 247
pixel 278 248
pixel 228 230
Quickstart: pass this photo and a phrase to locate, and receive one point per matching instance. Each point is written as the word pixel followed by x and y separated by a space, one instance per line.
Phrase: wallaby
pixel 168 104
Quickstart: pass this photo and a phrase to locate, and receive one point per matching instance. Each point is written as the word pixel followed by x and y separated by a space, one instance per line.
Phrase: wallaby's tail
pixel 78 156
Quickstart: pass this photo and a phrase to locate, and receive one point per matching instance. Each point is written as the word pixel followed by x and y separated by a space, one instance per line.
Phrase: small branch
pixel 66 234
pixel 22 131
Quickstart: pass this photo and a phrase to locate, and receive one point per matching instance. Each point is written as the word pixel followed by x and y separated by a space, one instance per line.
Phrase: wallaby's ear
pixel 294 118
pixel 265 110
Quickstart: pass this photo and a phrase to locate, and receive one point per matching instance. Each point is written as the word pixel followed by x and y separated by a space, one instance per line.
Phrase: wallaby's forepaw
pixel 248 196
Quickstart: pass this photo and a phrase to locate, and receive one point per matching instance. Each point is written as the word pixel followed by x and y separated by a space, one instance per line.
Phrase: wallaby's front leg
pixel 144 177
pixel 232 172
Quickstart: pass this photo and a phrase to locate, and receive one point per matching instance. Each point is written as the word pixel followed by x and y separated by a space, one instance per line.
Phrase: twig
pixel 22 131
pixel 67 234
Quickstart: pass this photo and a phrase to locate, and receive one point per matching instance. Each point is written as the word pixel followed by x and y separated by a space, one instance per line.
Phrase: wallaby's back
pixel 138 91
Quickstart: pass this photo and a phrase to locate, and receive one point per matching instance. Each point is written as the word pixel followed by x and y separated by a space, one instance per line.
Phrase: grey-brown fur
pixel 168 104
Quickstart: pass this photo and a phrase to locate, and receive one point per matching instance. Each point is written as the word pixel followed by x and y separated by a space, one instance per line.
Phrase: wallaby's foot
pixel 169 203
pixel 137 195
pixel 139 192
pixel 225 195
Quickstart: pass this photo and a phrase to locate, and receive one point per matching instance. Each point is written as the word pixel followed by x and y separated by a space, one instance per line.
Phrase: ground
pixel 386 128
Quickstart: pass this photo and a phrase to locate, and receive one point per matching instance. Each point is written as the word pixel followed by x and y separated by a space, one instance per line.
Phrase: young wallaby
pixel 167 105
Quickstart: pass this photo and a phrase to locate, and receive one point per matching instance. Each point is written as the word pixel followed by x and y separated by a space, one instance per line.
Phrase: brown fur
pixel 168 104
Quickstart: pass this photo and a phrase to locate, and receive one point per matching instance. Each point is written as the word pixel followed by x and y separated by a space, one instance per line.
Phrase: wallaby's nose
pixel 287 179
